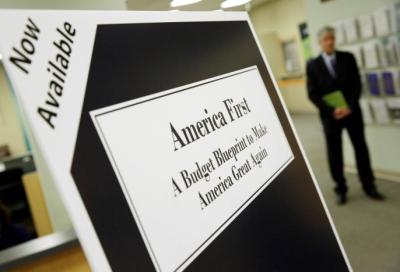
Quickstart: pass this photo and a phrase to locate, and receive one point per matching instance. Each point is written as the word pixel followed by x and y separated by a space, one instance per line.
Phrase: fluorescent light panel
pixel 179 3
pixel 233 3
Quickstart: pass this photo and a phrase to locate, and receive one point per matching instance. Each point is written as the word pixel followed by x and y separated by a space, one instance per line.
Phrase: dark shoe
pixel 341 199
pixel 375 195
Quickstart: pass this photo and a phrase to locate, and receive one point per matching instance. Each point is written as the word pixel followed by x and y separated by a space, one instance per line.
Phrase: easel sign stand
pixel 168 140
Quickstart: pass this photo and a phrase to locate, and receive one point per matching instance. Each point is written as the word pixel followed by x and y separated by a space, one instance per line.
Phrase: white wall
pixel 11 132
pixel 280 19
pixel 383 140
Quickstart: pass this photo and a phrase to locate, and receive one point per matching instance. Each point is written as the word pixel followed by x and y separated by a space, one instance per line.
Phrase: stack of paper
pixel 356 50
pixel 339 32
pixel 380 111
pixel 382 21
pixel 364 83
pixel 396 41
pixel 394 10
pixel 390 48
pixel 366 25
pixel 382 53
pixel 395 75
pixel 393 105
pixel 350 30
pixel 371 56
pixel 366 110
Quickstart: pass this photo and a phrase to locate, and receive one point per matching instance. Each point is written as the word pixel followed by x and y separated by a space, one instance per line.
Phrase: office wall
pixel 280 19
pixel 383 140
pixel 10 127
pixel 320 14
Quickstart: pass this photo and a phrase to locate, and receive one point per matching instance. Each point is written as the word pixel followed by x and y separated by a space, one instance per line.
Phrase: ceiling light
pixel 233 3
pixel 179 3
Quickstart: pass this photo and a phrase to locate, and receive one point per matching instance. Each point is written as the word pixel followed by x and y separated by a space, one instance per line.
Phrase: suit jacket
pixel 321 82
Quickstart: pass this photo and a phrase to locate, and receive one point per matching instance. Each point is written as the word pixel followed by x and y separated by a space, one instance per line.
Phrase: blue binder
pixel 388 83
pixel 373 84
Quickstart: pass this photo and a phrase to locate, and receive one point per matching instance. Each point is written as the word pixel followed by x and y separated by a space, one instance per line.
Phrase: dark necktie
pixel 333 66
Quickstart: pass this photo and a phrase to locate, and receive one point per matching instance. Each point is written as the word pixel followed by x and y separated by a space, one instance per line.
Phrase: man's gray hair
pixel 325 30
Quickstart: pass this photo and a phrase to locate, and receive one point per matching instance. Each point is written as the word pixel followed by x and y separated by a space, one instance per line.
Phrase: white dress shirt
pixel 328 59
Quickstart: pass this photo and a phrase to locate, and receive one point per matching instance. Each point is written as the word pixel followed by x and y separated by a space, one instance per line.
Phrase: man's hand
pixel 340 113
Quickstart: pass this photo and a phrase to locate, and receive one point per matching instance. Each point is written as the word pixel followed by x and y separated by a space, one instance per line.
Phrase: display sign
pixel 213 157
pixel 168 141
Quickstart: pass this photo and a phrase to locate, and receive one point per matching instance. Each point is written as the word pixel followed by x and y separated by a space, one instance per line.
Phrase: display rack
pixel 374 39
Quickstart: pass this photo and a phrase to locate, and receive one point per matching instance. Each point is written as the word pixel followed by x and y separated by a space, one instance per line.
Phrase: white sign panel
pixel 163 132
pixel 213 156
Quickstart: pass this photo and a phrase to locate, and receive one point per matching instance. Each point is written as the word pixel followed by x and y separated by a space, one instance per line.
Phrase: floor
pixel 369 230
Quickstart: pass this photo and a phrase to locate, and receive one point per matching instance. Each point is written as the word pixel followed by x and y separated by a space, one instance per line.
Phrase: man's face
pixel 327 43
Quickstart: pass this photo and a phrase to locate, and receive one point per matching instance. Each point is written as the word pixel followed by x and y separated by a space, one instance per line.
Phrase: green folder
pixel 335 99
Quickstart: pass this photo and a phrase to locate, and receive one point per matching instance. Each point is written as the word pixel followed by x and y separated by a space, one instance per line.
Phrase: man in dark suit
pixel 331 71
